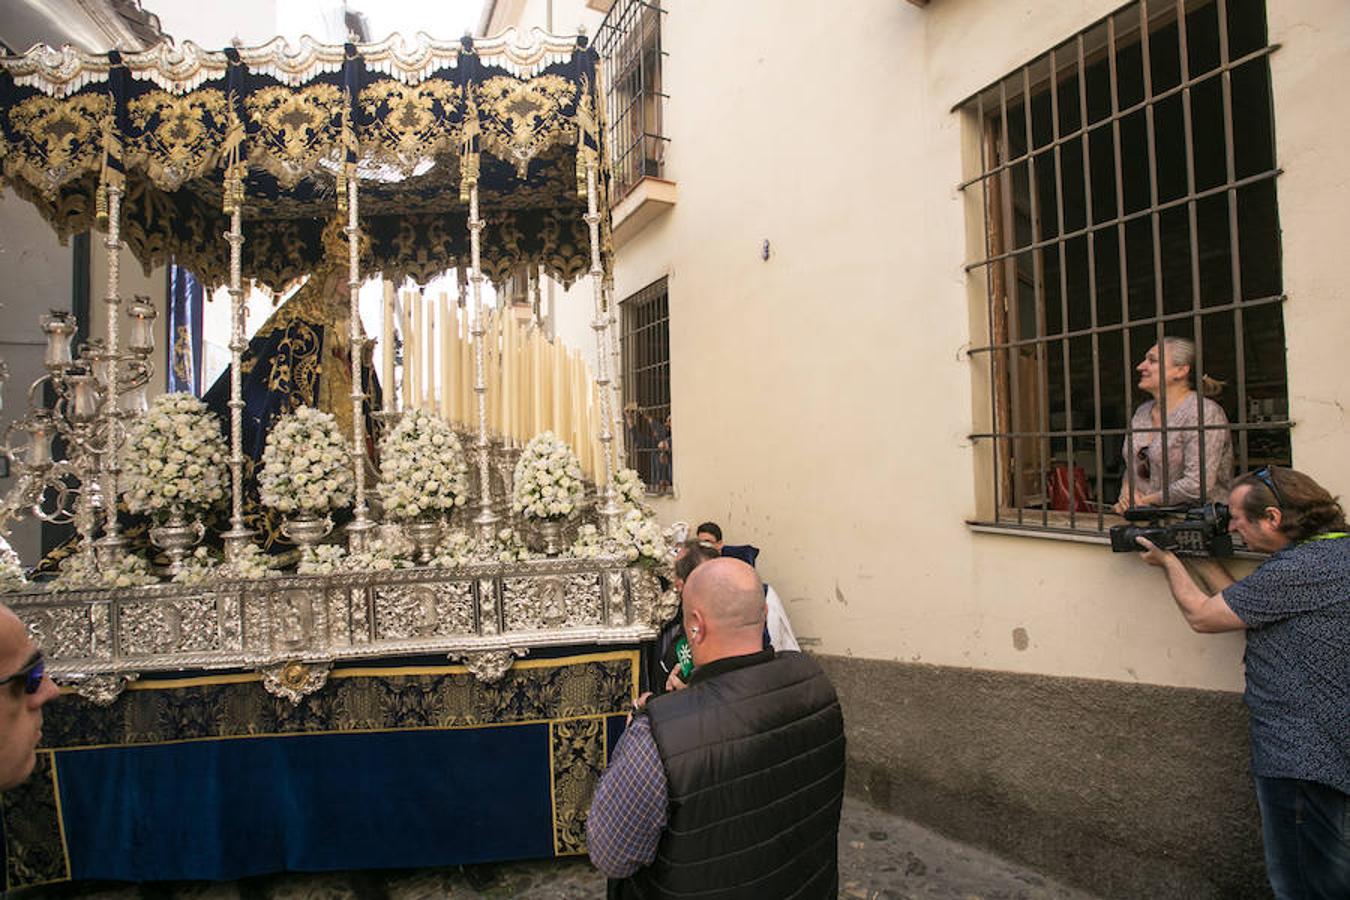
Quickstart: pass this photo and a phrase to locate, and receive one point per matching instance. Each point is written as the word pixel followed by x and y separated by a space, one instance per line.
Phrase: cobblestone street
pixel 880 856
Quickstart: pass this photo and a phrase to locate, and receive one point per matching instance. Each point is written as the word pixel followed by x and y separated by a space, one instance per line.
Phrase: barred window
pixel 1128 185
pixel 629 43
pixel 646 385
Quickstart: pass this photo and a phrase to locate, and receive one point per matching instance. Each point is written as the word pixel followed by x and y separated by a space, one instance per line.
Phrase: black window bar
pixel 629 44
pixel 1128 179
pixel 645 347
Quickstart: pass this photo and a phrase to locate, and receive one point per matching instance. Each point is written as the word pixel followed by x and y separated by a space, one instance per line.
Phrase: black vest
pixel 754 756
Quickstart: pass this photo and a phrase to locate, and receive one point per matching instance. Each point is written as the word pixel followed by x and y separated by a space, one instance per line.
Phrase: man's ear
pixel 694 626
pixel 1275 516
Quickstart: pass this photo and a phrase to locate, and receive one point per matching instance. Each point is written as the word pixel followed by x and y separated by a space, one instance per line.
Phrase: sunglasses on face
pixel 1265 477
pixel 31 675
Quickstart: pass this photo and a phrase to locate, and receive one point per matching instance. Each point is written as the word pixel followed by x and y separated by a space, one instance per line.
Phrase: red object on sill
pixel 1057 484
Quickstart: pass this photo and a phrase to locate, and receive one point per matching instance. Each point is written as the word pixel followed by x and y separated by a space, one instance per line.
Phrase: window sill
pixel 640 206
pixel 600 6
pixel 1050 532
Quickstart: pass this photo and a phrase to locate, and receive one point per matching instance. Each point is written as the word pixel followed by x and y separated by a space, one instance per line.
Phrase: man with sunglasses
pixel 1296 611
pixel 24 689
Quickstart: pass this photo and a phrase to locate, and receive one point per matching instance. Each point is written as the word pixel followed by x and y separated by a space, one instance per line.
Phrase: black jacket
pixel 754 756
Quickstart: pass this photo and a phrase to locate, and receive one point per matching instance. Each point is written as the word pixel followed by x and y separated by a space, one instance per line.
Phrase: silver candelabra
pixel 83 400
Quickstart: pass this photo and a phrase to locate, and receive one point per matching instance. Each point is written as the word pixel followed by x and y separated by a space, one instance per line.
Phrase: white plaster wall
pixel 822 399
pixel 35 276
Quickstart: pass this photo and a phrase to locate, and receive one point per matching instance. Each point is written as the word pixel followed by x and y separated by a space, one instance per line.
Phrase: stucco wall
pixel 821 400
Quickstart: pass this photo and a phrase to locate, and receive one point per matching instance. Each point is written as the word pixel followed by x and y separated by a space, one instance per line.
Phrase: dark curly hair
pixel 1306 507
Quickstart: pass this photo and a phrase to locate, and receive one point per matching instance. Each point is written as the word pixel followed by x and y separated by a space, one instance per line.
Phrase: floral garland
pixel 306 467
pixel 547 480
pixel 333 559
pixel 82 571
pixel 251 562
pixel 629 491
pixel 422 469
pixel 174 460
pixel 639 537
pixel 11 576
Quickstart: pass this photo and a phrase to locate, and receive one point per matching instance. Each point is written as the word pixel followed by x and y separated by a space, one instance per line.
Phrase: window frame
pixel 644 349
pixel 1002 440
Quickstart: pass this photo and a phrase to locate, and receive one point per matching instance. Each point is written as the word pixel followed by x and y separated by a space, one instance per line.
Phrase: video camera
pixel 1202 531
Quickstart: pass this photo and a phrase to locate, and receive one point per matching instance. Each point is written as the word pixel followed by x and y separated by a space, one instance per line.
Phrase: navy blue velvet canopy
pixel 189 133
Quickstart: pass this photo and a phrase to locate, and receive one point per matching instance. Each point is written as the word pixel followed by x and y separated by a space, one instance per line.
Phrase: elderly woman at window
pixel 1168 373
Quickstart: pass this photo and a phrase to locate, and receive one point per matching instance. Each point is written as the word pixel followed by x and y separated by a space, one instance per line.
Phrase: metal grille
pixel 1128 181
pixel 646 385
pixel 629 43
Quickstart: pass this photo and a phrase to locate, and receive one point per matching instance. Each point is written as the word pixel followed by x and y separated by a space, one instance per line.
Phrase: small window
pixel 1128 185
pixel 629 43
pixel 646 386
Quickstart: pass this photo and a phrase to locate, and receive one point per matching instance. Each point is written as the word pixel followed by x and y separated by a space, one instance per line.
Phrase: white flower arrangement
pixel 81 571
pixel 548 479
pixel 643 537
pixel 629 491
pixel 174 462
pixel 333 559
pixel 326 559
pixel 11 576
pixel 457 549
pixel 251 562
pixel 639 537
pixel 199 568
pixel 379 556
pixel 422 469
pixel 306 466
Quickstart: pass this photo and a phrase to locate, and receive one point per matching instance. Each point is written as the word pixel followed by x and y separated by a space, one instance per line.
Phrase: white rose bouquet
pixel 306 467
pixel 174 462
pixel 82 571
pixel 422 469
pixel 11 576
pixel 629 490
pixel 547 480
pixel 252 562
pixel 639 538
pixel 643 537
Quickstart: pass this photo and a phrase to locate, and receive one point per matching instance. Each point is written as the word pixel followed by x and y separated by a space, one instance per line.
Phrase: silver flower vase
pixel 549 533
pixel 176 537
pixel 306 532
pixel 425 535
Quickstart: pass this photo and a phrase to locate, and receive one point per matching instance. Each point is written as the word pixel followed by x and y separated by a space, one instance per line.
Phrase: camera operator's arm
pixel 1203 612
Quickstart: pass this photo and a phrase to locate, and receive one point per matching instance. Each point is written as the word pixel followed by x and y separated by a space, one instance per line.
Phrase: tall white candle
pixel 387 349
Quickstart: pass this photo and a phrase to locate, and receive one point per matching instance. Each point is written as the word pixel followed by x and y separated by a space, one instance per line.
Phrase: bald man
pixel 24 689
pixel 733 785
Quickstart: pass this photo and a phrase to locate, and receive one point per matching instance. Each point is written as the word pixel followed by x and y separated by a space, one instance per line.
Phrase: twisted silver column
pixel 609 509
pixel 486 520
pixel 359 529
pixel 238 537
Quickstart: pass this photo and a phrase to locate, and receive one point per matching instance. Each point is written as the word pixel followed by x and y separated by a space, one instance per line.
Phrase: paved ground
pixel 881 857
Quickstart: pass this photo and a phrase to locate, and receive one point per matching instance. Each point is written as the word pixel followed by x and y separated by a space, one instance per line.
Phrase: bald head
pixel 724 610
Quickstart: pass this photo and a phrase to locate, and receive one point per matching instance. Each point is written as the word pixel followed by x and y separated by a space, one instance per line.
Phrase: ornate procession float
pixel 439 679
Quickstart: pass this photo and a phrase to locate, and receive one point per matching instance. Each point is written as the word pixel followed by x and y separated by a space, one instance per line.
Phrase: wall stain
pixel 839 595
pixel 1020 639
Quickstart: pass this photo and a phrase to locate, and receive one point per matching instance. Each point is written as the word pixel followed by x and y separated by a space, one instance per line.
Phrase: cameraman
pixel 1296 610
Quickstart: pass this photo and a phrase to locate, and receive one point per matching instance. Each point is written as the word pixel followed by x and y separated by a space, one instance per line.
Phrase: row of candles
pixel 533 384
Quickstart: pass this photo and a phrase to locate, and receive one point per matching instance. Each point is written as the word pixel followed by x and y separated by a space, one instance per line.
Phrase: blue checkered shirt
pixel 628 811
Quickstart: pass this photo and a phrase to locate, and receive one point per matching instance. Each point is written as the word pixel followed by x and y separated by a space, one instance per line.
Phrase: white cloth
pixel 780 629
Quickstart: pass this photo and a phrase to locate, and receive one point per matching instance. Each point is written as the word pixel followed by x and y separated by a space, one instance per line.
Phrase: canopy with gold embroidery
pixel 188 132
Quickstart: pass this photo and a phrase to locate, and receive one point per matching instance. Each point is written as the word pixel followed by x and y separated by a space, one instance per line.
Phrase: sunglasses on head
pixel 31 675
pixel 1263 474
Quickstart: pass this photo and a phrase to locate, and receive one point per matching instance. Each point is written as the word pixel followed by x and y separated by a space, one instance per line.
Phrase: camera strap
pixel 1329 536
